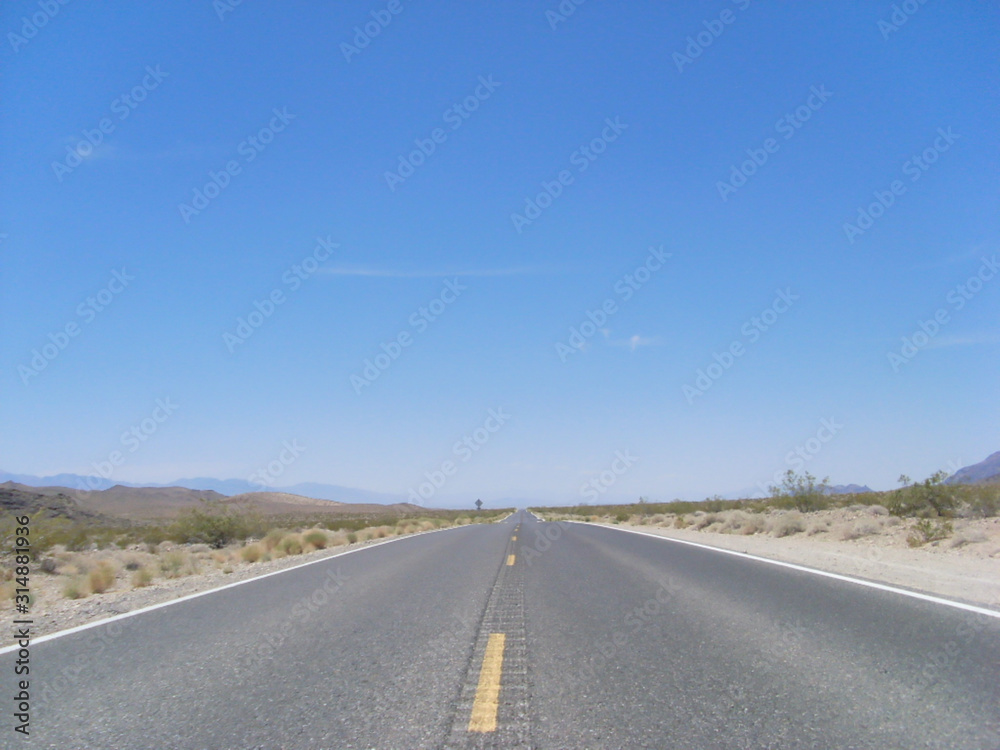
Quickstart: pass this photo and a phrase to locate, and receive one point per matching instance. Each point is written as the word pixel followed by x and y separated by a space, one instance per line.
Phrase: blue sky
pixel 532 89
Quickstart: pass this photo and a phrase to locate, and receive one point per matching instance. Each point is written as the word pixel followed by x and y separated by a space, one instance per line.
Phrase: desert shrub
pixel 291 545
pixel 800 492
pixel 251 553
pixel 787 524
pixel 74 588
pixel 48 565
pixel 858 529
pixel 621 517
pixel 754 524
pixel 273 538
pixel 925 530
pixel 982 501
pixel 680 522
pixel 213 525
pixel 143 576
pixel 176 563
pixel 316 538
pixel 704 520
pixel 930 497
pixel 101 577
pixel 352 538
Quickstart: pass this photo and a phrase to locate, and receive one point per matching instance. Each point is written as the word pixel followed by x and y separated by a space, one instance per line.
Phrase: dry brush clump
pixel 252 553
pixel 177 563
pixel 316 539
pixel 75 587
pixel 102 576
pixel 143 576
pixel 785 524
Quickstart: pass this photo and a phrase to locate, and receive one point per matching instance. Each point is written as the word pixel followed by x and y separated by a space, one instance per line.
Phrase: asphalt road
pixel 529 635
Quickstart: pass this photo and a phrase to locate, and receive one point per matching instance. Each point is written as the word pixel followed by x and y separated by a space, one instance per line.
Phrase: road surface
pixel 524 634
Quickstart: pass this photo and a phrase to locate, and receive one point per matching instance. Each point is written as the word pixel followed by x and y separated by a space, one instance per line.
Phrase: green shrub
pixel 316 538
pixel 930 497
pixel 801 492
pixel 214 525
pixel 291 545
pixel 925 530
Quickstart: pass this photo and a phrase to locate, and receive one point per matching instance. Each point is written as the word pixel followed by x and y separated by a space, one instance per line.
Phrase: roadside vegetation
pixel 86 558
pixel 929 509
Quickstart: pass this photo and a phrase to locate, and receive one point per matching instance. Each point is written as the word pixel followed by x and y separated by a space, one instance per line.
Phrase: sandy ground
pixel 964 567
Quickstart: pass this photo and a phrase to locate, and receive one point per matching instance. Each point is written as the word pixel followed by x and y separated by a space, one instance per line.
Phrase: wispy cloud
pixel 396 273
pixel 969 339
pixel 951 260
pixel 632 342
pixel 86 151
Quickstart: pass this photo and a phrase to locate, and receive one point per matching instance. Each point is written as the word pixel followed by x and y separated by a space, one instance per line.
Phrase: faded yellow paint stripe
pixel 514 538
pixel 484 708
pixel 510 559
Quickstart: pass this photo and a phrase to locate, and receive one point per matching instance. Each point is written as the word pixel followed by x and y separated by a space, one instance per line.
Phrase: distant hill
pixel 283 502
pixel 135 503
pixel 985 472
pixel 227 487
pixel 147 503
pixel 17 499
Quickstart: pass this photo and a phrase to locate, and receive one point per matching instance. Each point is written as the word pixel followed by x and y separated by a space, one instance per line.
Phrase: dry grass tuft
pixel 142 577
pixel 273 538
pixel 75 588
pixel 252 553
pixel 102 577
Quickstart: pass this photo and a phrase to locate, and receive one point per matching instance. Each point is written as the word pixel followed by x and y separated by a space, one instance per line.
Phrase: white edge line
pixel 826 574
pixel 206 592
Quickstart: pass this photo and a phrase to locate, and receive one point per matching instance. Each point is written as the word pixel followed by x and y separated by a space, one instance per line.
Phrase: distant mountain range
pixel 146 503
pixel 848 489
pixel 986 471
pixel 227 487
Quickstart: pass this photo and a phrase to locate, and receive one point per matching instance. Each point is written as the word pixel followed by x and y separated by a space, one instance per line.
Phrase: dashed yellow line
pixel 484 708
pixel 514 538
pixel 510 559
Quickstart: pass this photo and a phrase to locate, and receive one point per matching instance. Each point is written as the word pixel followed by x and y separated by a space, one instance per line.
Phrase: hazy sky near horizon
pixel 668 245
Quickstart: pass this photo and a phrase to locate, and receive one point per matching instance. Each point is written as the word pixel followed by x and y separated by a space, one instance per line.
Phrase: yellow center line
pixel 484 708
pixel 510 559
pixel 514 538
